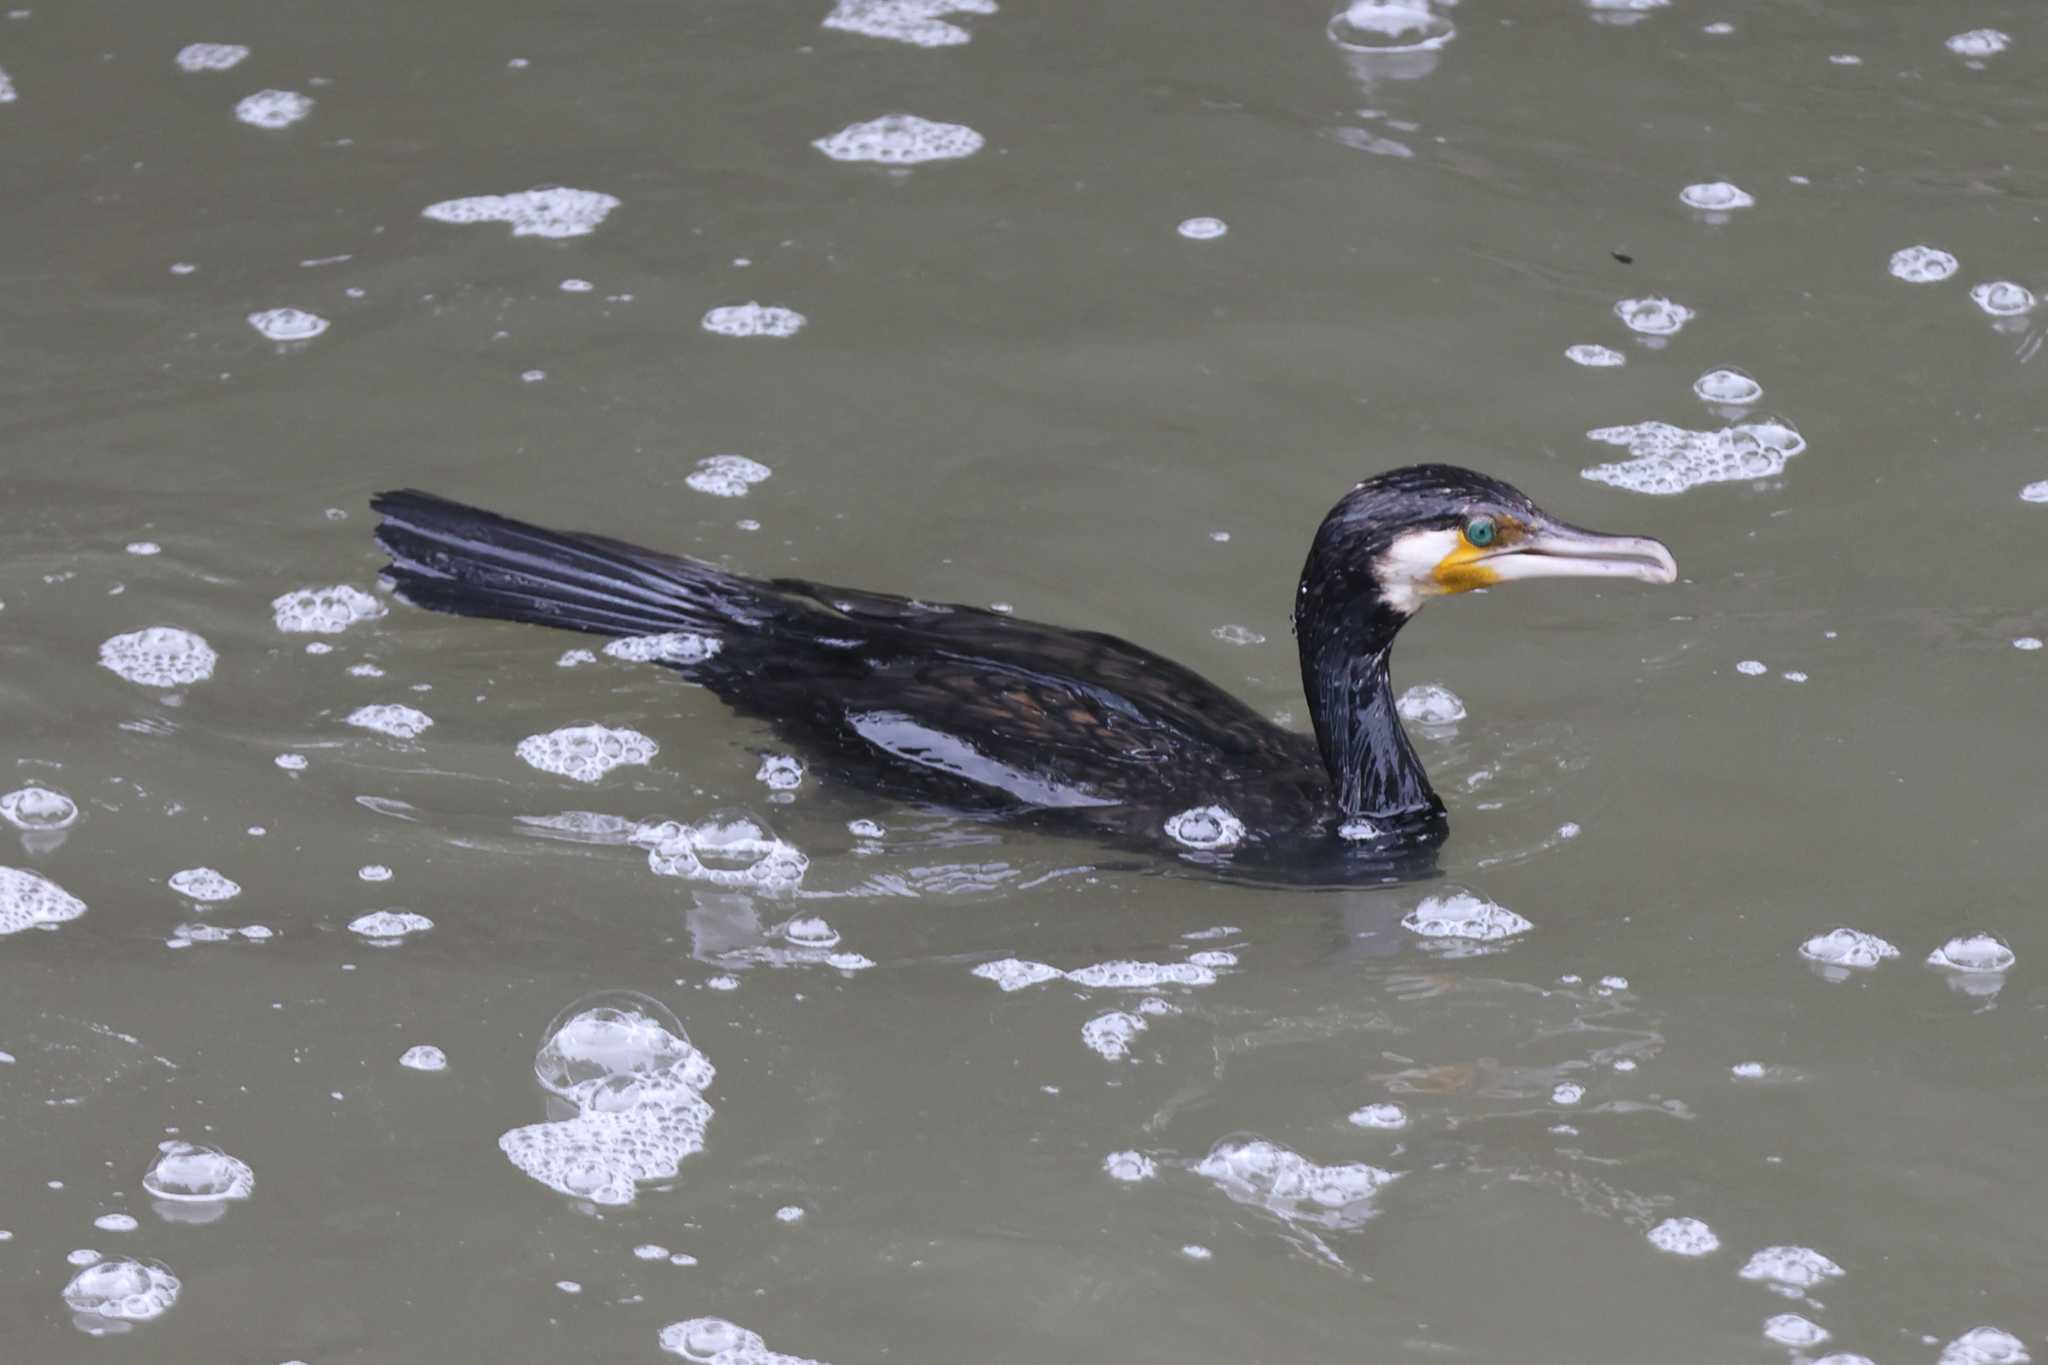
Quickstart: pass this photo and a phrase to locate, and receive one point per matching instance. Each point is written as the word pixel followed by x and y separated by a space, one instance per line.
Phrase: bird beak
pixel 1555 550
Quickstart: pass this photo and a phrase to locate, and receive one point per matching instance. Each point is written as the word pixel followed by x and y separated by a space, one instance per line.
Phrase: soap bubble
pixel 729 848
pixel 2003 298
pixel 186 1172
pixel 38 809
pixel 1462 915
pixel 1716 196
pixel 1846 947
pixel 1727 386
pixel 131 1291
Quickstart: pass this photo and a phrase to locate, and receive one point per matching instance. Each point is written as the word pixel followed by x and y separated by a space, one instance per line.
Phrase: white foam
pixel 324 611
pixel 1567 1092
pixel 1845 59
pixel 1012 974
pixel 1716 196
pixel 921 23
pixel 1390 26
pixel 423 1057
pixel 1142 976
pixel 161 656
pixel 1978 43
pixel 1462 915
pixel 550 211
pixel 1238 635
pixel 573 658
pixel 673 647
pixel 1846 947
pixel 189 1173
pixel 754 320
pixel 2027 642
pixel 585 753
pixel 1727 386
pixel 1790 1329
pixel 143 548
pixel 1656 317
pixel 1753 668
pixel 1684 1237
pixel 37 809
pixel 1287 1184
pixel 203 884
pixel 390 718
pixel 1129 1167
pixel 1205 827
pixel 1380 1116
pixel 374 872
pixel 185 935
pixel 729 848
pixel 1594 357
pixel 273 109
pixel 1793 1267
pixel 1666 459
pixel 900 140
pixel 125 1290
pixel 291 763
pixel 29 900
pixel 288 324
pixel 1747 1071
pixel 780 772
pixel 865 829
pixel 1985 1346
pixel 385 927
pixel 1973 953
pixel 211 56
pixel 1202 229
pixel 1110 1035
pixel 115 1222
pixel 1922 264
pixel 727 476
pixel 1430 704
pixel 2003 298
pixel 622 1059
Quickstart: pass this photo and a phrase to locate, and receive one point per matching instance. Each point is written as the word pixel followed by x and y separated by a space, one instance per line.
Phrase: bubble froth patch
pixel 203 884
pixel 29 900
pixel 1727 386
pixel 285 325
pixel 727 476
pixel 1430 704
pixel 1594 357
pixel 585 753
pixel 324 611
pixel 211 56
pixel 1013 974
pixel 1684 1237
pixel 1129 1167
pixel 900 140
pixel 38 808
pixel 390 718
pixel 1206 827
pixel 423 1057
pixel 1390 26
pixel 1973 953
pixel 1985 1346
pixel 920 23
pixel 386 927
pixel 1846 947
pixel 1110 1035
pixel 1922 265
pixel 729 848
pixel 1716 196
pixel 129 1291
pixel 1267 1175
pixel 1979 43
pixel 754 320
pixel 1656 317
pixel 553 211
pixel 273 109
pixel 1793 1267
pixel 161 656
pixel 187 1172
pixel 1790 1329
pixel 2003 298
pixel 1462 915
pixel 624 1061
pixel 1665 459
pixel 672 647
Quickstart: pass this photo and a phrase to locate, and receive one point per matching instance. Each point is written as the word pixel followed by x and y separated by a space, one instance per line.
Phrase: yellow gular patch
pixel 1464 568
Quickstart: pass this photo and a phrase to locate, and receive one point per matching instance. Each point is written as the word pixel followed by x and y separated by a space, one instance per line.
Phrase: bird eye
pixel 1479 532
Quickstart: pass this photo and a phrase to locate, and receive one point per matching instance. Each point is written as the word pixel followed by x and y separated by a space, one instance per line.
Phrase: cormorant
pixel 974 710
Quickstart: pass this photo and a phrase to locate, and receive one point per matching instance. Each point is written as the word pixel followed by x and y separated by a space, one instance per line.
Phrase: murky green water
pixel 1019 382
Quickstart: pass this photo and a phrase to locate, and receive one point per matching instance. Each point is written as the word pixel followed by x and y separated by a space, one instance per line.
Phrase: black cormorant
pixel 973 710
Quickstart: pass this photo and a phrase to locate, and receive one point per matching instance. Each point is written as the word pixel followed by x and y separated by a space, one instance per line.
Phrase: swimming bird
pixel 978 711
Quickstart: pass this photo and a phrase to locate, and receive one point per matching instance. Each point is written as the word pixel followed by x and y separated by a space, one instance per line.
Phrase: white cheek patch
pixel 1406 567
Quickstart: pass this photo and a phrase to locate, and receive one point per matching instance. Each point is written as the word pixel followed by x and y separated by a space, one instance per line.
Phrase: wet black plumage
pixel 975 710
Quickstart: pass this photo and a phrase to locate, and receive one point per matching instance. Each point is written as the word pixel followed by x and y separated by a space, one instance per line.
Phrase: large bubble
pixel 187 1172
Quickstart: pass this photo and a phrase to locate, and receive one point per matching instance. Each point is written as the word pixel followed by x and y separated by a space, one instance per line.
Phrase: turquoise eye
pixel 1480 531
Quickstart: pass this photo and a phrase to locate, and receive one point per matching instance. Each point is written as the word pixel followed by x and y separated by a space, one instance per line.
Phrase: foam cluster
pixel 37 809
pixel 726 476
pixel 161 656
pixel 1656 317
pixel 671 647
pixel 637 1085
pixel 1109 1036
pixel 1594 357
pixel 273 109
pixel 1846 947
pixel 125 1290
pixel 189 1173
pixel 1716 196
pixel 1390 26
pixel 29 900
pixel 197 57
pixel 1430 704
pixel 752 319
pixel 1790 1267
pixel 391 718
pixel 1665 459
pixel 324 611
pixel 1282 1181
pixel 780 772
pixel 288 324
pixel 185 935
pixel 1013 974
pixel 2003 298
pixel 920 23
pixel 386 927
pixel 900 140
pixel 585 753
pixel 1727 386
pixel 1205 827
pixel 552 212
pixel 715 1341
pixel 1684 1237
pixel 730 848
pixel 1922 265
pixel 203 884
pixel 1463 915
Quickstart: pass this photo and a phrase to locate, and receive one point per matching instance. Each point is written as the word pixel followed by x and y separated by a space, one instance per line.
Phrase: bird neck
pixel 1345 638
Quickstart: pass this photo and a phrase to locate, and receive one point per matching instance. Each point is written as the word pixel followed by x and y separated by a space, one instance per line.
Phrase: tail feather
pixel 447 556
